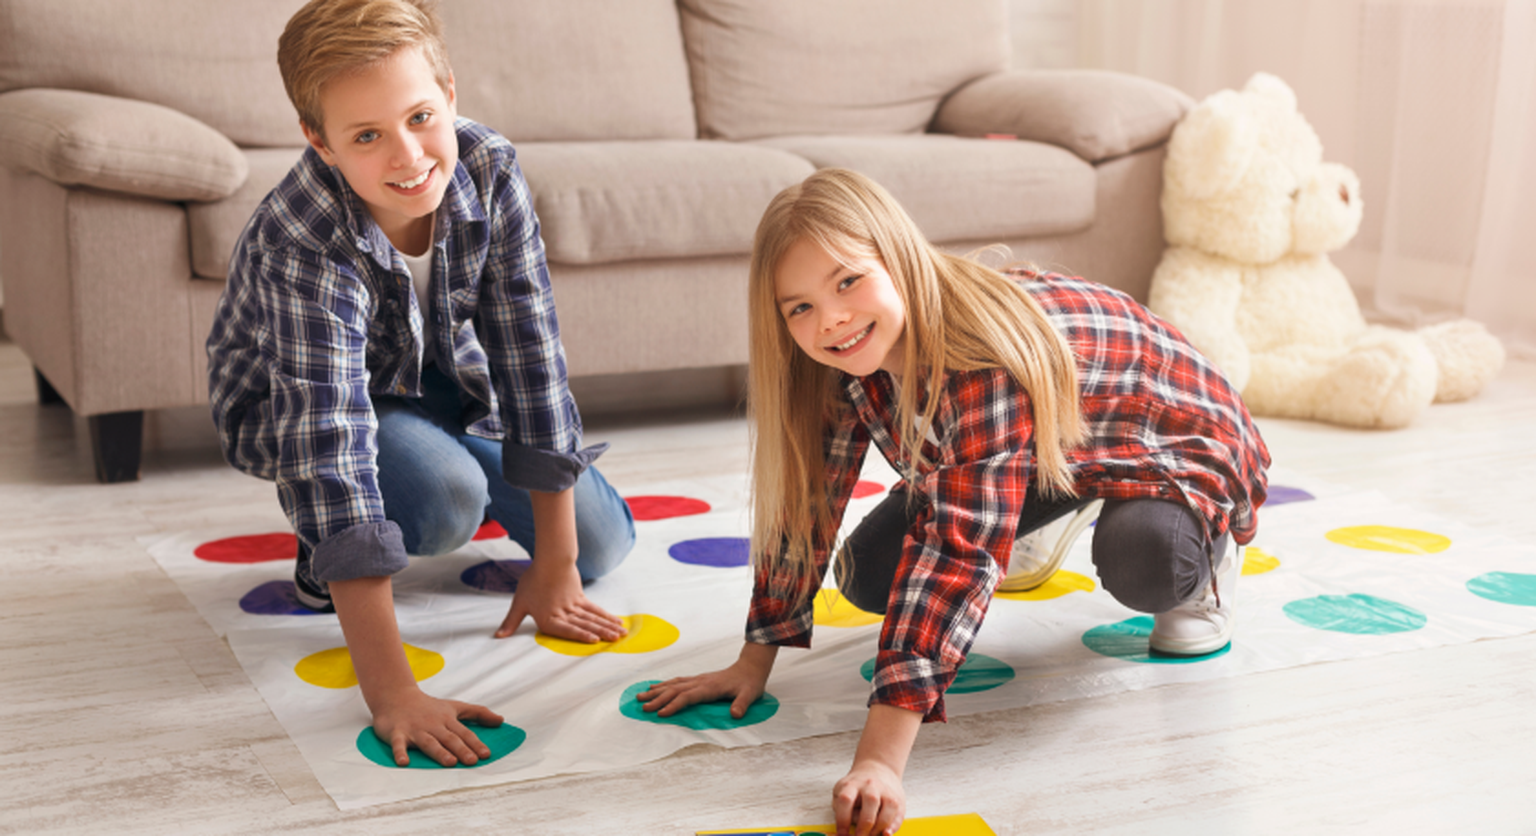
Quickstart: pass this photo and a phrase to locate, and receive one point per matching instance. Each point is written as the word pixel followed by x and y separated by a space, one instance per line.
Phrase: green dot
pixel 1360 614
pixel 1506 588
pixel 1129 639
pixel 502 740
pixel 977 673
pixel 700 716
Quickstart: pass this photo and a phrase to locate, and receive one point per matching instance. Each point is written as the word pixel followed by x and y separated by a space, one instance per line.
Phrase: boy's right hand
pixel 414 718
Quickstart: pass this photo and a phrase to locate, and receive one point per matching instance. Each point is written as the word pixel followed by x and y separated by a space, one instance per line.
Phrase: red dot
pixel 490 530
pixel 664 507
pixel 864 487
pixel 253 548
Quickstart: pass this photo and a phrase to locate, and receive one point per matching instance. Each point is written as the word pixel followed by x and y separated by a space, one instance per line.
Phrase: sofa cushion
pixel 959 189
pixel 853 66
pixel 215 62
pixel 215 227
pixel 615 201
pixel 558 70
pixel 121 145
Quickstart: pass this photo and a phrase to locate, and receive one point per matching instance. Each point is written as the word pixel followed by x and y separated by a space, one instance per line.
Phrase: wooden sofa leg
pixel 117 441
pixel 46 394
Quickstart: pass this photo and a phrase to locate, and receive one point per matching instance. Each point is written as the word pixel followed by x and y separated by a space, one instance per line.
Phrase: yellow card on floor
pixel 969 824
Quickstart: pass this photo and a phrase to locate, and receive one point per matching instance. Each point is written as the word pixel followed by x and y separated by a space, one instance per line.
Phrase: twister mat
pixel 1333 575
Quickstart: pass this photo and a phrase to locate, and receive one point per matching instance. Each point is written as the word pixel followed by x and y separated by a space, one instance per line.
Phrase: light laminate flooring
pixel 122 712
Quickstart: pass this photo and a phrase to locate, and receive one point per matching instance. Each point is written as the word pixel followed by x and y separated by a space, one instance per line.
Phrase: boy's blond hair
pixel 330 38
pixel 961 316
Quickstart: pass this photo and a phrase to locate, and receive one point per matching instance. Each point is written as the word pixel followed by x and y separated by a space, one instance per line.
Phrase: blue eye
pixel 421 117
pixel 366 137
pixel 845 283
pixel 797 309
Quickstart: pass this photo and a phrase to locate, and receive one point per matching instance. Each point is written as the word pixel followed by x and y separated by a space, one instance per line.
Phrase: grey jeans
pixel 1151 554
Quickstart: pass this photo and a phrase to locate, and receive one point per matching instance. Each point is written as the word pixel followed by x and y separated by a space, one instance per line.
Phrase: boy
pixel 387 352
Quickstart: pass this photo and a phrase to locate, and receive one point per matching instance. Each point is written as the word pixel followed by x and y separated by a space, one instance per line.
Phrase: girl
pixel 1007 402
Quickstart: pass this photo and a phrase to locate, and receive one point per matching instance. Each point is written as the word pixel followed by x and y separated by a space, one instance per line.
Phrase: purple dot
pixel 1280 495
pixel 713 551
pixel 495 575
pixel 274 598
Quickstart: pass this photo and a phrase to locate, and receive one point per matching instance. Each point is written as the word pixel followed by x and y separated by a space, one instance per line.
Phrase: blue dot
pixel 274 598
pixel 1359 614
pixel 977 673
pixel 1506 588
pixel 1129 640
pixel 713 551
pixel 1280 495
pixel 495 575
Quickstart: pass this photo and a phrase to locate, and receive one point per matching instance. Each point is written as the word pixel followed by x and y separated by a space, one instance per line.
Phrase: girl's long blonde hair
pixel 961 316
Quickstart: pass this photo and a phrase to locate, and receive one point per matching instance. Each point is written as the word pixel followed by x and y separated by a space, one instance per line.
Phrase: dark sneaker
pixel 306 589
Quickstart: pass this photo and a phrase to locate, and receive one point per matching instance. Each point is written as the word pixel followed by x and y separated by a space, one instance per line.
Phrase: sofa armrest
pixel 116 144
pixel 1095 114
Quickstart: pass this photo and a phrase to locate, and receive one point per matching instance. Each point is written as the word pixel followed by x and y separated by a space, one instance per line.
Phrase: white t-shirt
pixel 421 278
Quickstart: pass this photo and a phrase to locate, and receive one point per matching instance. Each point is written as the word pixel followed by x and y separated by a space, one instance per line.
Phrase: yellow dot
pixel 333 668
pixel 833 609
pixel 646 633
pixel 1256 561
pixel 1061 583
pixel 1384 538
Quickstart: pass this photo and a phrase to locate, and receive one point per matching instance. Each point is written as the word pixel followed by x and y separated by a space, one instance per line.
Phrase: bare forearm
pixel 366 609
pixel 889 733
pixel 554 526
pixel 758 658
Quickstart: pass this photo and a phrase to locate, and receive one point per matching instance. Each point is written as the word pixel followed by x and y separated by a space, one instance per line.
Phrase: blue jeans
pixel 439 484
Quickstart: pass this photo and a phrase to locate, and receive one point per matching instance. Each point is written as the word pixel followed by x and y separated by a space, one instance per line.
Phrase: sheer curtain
pixel 1431 102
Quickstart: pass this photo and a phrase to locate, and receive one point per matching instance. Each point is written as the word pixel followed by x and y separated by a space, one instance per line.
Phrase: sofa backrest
pixel 779 67
pixel 532 69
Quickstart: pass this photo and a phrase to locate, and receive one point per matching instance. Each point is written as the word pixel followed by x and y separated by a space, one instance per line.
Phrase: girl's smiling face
pixel 849 317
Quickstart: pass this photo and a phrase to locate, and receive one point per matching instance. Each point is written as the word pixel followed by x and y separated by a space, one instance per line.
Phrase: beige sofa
pixel 135 140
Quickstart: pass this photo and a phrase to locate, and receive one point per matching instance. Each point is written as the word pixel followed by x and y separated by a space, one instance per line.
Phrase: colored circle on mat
pixel 1256 561
pixel 833 609
pixel 1128 640
pixel 864 487
pixel 252 548
pixel 1281 494
pixel 333 668
pixel 647 633
pixel 665 507
pixel 274 598
pixel 502 741
pixel 700 716
pixel 489 530
pixel 1385 538
pixel 495 575
pixel 1356 613
pixel 1059 584
pixel 1506 588
pixel 713 551
pixel 977 673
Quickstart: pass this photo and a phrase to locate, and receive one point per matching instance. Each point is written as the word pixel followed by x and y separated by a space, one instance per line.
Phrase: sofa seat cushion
pixel 215 227
pixel 616 201
pixel 960 189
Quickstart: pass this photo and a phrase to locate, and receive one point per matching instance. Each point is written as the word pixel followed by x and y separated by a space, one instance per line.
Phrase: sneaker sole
pixel 1024 583
pixel 1192 647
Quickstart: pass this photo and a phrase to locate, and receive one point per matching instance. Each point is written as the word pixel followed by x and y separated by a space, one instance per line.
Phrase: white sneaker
pixel 1038 554
pixel 1203 624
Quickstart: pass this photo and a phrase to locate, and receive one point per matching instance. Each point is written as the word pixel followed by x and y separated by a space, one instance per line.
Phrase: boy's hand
pixel 869 801
pixel 414 718
pixel 551 594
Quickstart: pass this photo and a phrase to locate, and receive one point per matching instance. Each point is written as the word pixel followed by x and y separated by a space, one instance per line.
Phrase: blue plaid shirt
pixel 319 315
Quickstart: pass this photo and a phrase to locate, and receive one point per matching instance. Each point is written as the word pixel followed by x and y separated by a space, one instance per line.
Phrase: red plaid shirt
pixel 1162 422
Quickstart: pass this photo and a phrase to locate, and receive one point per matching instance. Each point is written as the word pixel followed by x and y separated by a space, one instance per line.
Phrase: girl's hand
pixel 742 683
pixel 550 594
pixel 869 801
pixel 412 718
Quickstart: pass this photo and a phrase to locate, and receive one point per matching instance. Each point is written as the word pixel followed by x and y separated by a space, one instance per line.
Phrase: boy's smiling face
pixel 389 130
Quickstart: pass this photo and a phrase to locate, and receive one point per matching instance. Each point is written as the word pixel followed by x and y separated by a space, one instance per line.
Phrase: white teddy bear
pixel 1249 212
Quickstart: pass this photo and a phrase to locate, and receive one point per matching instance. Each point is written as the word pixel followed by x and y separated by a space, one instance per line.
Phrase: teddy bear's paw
pixel 1467 355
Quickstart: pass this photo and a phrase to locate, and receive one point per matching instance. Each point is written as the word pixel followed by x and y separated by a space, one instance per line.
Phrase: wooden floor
pixel 121 712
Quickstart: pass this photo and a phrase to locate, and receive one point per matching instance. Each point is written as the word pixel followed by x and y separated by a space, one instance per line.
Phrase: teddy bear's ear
pixel 1272 89
pixel 1213 146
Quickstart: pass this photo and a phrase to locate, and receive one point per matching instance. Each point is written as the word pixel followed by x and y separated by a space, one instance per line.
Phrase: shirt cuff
pixel 366 550
pixel 915 683
pixel 533 469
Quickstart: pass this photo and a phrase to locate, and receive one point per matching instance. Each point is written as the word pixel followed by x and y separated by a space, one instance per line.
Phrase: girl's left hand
pixel 869 801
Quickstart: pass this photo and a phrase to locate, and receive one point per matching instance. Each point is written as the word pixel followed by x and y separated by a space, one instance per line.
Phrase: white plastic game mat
pixel 1332 575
